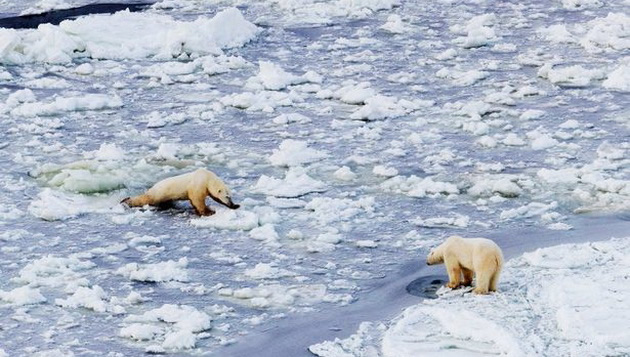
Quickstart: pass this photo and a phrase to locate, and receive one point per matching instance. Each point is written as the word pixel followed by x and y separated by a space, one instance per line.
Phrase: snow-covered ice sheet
pixel 565 300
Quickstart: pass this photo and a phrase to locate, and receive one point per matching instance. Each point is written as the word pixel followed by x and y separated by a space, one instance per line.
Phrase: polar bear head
pixel 435 256
pixel 219 192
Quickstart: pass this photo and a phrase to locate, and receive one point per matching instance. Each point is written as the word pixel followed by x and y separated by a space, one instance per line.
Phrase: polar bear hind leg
pixel 494 280
pixel 138 201
pixel 483 282
pixel 484 270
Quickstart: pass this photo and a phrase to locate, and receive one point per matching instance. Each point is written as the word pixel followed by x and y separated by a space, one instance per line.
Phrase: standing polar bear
pixel 468 256
pixel 194 186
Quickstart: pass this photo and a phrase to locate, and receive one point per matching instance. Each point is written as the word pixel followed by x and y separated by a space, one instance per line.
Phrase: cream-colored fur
pixel 465 257
pixel 194 186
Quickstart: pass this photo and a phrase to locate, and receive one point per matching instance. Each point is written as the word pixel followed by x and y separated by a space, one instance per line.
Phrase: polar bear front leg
pixel 468 277
pixel 200 207
pixel 454 272
pixel 198 200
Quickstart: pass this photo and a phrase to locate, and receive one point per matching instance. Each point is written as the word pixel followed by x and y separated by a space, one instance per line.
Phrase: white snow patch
pixel 267 271
pixel 609 33
pixel 272 77
pixel 543 141
pixel 90 298
pixel 43 6
pixel 555 300
pixel 532 114
pixel 512 139
pixel 107 37
pixel 557 34
pixel 140 332
pixel 266 232
pixel 478 31
pixel 69 104
pixel 158 272
pixel 344 173
pixel 566 176
pixel 276 296
pixel 459 221
pixel 384 171
pixel 53 205
pixel 461 78
pixel 530 210
pixel 367 243
pixel 355 93
pixel 283 119
pixel 395 25
pixel 84 69
pixel 48 83
pixel 414 186
pixel 228 219
pixel 619 79
pixel 382 107
pixel 327 209
pixel 265 101
pixel 173 327
pixel 107 152
pixel 296 183
pixel 572 76
pixel 55 272
pixel 559 226
pixel 24 295
pixel 295 153
pixel 504 185
pixel 430 330
pixel 360 344
pixel 446 54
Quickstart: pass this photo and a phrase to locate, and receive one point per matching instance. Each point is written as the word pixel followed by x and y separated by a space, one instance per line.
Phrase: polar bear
pixel 468 256
pixel 194 186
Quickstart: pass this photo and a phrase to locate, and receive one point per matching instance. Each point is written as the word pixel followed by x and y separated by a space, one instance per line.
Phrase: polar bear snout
pixel 232 205
pixel 226 201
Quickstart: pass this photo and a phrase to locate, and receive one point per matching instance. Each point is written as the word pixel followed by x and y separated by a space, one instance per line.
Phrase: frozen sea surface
pixel 355 134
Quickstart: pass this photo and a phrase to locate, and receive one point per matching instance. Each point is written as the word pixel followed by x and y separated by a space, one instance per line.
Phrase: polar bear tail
pixel 494 279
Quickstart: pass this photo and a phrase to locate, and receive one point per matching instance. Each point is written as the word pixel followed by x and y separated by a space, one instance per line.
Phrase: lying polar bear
pixel 468 256
pixel 194 186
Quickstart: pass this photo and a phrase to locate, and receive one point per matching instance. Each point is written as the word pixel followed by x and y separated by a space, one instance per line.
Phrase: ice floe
pixel 296 183
pixel 157 272
pixel 106 37
pixel 167 328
